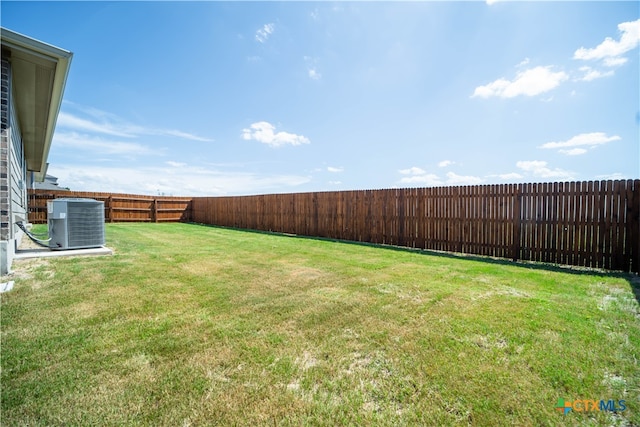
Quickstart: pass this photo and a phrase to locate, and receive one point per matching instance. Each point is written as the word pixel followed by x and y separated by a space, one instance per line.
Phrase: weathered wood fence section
pixel 117 207
pixel 591 224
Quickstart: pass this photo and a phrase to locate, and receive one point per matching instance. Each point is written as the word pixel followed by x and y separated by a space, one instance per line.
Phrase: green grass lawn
pixel 194 325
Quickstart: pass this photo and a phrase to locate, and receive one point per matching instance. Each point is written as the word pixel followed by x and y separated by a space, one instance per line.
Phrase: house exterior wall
pixel 32 81
pixel 17 172
pixel 13 172
pixel 6 249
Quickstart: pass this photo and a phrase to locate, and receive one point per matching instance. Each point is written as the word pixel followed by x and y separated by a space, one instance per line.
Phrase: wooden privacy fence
pixel 591 224
pixel 117 207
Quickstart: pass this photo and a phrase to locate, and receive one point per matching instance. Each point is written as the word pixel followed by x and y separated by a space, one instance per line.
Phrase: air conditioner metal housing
pixel 75 223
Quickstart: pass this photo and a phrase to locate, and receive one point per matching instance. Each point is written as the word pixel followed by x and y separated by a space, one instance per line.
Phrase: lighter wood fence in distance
pixel 117 207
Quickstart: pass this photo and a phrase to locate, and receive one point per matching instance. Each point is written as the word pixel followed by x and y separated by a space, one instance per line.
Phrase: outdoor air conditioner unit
pixel 75 223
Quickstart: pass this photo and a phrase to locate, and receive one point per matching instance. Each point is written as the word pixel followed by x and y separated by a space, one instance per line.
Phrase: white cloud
pixel 420 176
pixel 591 74
pixel 524 62
pixel 615 62
pixel 540 169
pixel 312 67
pixel 314 74
pixel 510 176
pixel 187 180
pixel 582 140
pixel 264 132
pixel 490 2
pixel 529 82
pixel 263 33
pixel 412 171
pixel 445 163
pixel 180 134
pixel 176 164
pixel 99 145
pixel 429 180
pixel 611 50
pixel 455 179
pixel 335 182
pixel 69 121
pixel 611 176
pixel 110 124
pixel 334 169
pixel 573 151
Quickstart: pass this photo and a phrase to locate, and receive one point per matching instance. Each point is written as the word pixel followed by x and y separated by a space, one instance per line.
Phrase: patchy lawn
pixel 195 325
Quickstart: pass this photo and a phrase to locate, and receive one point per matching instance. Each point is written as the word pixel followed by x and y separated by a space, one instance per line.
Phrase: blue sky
pixel 217 98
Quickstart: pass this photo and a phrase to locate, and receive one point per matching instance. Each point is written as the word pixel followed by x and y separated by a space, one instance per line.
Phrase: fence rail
pixel 117 207
pixel 591 224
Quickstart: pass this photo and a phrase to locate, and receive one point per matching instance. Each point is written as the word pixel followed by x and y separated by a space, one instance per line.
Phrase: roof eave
pixel 62 60
pixel 59 83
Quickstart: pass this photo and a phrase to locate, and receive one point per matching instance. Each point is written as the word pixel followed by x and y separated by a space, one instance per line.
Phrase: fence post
pixel 517 223
pixel 459 229
pixel 635 227
pixel 155 210
pixel 110 208
pixel 188 212
pixel 401 217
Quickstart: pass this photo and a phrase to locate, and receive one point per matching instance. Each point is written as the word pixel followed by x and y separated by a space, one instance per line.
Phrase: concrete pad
pixel 48 253
pixel 6 287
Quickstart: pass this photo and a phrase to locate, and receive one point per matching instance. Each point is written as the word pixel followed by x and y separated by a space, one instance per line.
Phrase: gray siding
pixel 17 171
pixel 13 171
pixel 6 245
pixel 5 88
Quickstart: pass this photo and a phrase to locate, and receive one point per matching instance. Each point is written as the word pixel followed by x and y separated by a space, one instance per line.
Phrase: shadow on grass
pixel 632 278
